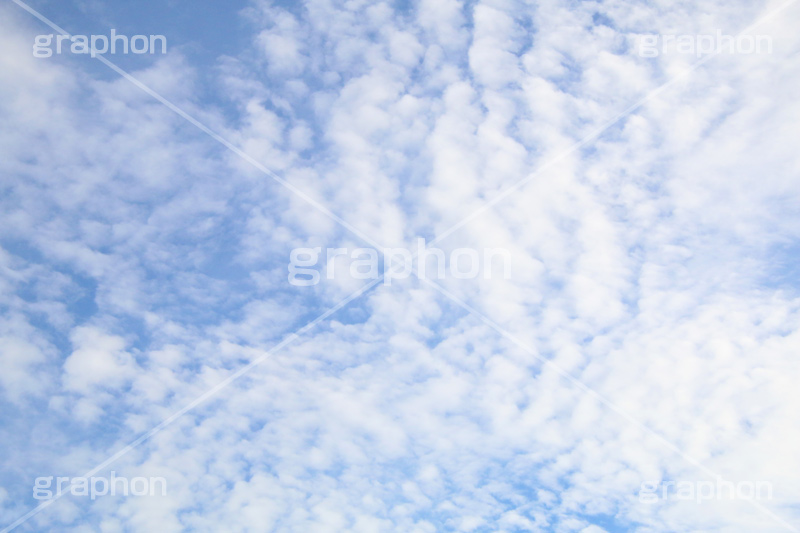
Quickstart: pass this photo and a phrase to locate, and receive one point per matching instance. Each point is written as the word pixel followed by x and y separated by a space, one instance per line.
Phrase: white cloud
pixel 98 360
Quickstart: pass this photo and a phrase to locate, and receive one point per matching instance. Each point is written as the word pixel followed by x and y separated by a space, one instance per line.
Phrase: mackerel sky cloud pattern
pixel 648 331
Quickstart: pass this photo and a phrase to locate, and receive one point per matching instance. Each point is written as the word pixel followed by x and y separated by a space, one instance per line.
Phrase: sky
pixel 648 331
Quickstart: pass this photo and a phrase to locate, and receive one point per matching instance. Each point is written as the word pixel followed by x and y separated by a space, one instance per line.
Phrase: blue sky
pixel 648 330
